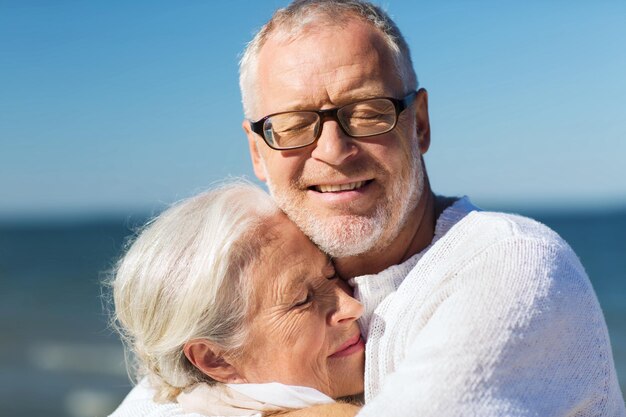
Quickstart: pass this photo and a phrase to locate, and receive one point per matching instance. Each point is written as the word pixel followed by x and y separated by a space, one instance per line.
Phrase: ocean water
pixel 59 358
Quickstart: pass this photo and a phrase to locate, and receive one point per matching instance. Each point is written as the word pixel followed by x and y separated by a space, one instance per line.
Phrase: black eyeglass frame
pixel 399 104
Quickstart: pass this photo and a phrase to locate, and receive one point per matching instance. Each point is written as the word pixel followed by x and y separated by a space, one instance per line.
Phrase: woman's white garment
pixel 220 400
pixel 248 399
pixel 495 318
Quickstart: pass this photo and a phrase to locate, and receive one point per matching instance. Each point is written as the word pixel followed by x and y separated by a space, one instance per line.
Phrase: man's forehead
pixel 313 69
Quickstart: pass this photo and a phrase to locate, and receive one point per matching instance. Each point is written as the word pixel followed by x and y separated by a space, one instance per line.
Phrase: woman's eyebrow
pixel 292 284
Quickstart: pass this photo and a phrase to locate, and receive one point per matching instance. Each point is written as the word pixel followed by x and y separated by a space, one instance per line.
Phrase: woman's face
pixel 303 328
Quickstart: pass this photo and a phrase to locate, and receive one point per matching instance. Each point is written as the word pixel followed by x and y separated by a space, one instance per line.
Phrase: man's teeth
pixel 340 187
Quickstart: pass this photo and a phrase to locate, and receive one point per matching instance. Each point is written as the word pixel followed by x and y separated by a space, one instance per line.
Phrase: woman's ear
pixel 209 359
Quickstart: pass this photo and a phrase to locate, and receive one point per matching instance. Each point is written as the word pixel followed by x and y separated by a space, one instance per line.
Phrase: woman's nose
pixel 347 309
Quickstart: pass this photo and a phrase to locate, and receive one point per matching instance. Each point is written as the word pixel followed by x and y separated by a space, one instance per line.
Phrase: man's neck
pixel 413 238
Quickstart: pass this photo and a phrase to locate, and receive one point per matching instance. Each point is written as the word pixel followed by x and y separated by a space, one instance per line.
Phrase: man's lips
pixel 340 186
pixel 352 345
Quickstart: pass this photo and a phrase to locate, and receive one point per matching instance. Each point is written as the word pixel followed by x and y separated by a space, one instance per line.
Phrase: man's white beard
pixel 342 235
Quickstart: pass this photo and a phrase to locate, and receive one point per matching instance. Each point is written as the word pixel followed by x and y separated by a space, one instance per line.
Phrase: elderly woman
pixel 229 309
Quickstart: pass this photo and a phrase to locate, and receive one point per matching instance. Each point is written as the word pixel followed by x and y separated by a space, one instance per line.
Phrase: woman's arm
pixel 325 410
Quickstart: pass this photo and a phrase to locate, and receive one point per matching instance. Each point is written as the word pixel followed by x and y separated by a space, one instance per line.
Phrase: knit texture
pixel 497 317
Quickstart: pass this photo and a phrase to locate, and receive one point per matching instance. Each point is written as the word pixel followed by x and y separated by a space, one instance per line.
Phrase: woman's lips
pixel 352 345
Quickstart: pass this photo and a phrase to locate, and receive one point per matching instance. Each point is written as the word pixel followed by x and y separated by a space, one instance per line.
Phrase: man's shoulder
pixel 465 224
pixel 508 246
pixel 491 227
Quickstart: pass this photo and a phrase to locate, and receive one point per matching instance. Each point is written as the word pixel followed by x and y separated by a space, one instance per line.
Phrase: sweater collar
pixel 448 218
pixel 372 289
pixel 451 216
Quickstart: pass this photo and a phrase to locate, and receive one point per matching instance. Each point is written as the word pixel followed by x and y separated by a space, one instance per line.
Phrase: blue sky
pixel 127 106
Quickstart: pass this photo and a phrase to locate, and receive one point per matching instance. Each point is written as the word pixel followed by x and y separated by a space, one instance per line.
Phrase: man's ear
pixel 209 359
pixel 255 156
pixel 423 122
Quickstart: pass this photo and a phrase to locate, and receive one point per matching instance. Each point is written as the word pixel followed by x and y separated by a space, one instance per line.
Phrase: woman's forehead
pixel 290 262
pixel 294 268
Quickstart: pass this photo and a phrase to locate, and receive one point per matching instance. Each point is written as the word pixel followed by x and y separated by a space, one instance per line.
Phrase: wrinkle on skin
pixel 292 343
pixel 335 82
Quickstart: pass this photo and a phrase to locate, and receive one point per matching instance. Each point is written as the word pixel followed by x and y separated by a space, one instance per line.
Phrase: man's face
pixel 351 196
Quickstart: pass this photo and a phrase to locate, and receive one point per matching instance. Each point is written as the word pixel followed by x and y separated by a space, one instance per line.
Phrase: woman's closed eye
pixel 303 302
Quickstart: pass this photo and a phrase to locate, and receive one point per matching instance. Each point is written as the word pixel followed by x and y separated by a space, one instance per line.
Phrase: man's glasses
pixel 297 129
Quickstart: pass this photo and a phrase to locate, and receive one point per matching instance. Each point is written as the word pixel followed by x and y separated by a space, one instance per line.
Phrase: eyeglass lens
pixel 365 118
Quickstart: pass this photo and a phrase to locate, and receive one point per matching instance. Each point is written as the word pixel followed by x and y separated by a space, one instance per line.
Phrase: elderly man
pixel 468 312
pixel 495 316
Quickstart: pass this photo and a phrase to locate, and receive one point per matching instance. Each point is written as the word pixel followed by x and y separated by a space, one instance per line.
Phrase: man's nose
pixel 347 309
pixel 333 146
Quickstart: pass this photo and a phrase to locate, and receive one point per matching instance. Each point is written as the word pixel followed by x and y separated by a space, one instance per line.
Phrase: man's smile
pixel 342 192
pixel 331 188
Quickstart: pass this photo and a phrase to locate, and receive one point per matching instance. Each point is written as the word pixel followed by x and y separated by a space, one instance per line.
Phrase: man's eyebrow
pixel 363 96
pixel 349 97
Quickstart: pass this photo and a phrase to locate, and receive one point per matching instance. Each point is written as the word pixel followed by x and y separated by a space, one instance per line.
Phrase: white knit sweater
pixel 495 318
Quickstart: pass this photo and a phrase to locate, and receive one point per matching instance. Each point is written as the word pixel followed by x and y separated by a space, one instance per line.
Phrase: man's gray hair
pixel 294 19
pixel 184 277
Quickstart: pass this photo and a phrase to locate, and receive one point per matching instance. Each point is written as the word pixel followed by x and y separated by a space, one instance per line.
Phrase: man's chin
pixel 340 232
pixel 341 236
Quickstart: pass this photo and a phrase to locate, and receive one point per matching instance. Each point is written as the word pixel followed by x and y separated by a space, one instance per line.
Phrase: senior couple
pixel 353 276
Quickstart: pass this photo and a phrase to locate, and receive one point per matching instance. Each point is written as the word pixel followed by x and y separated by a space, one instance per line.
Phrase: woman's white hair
pixel 184 277
pixel 301 15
